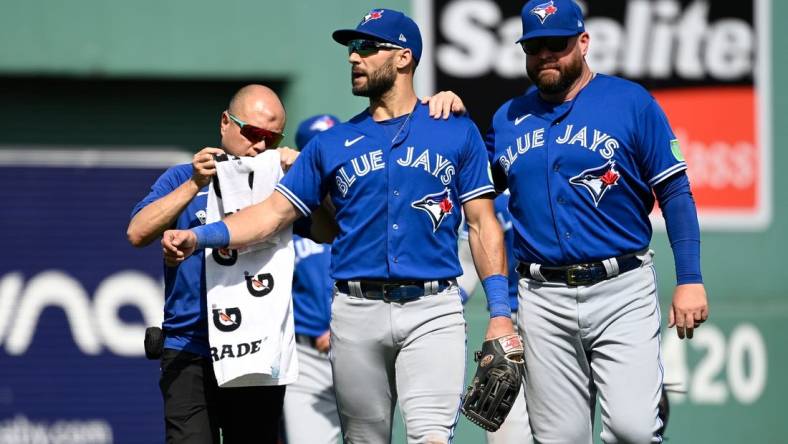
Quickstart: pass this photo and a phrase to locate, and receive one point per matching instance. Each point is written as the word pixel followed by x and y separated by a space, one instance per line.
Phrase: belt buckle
pixel 403 292
pixel 579 274
pixel 384 291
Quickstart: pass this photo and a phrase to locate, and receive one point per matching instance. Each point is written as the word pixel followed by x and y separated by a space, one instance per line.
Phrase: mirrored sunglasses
pixel 255 134
pixel 366 47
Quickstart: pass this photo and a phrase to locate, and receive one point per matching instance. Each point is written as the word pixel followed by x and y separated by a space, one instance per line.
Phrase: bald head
pixel 256 106
pixel 260 106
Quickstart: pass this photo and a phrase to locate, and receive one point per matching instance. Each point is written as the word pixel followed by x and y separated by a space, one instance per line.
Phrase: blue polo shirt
pixel 185 323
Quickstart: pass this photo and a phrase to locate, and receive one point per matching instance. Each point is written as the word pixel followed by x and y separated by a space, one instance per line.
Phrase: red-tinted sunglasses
pixel 255 134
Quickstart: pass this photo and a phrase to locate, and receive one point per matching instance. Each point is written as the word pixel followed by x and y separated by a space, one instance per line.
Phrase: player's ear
pixel 404 58
pixel 582 40
pixel 224 123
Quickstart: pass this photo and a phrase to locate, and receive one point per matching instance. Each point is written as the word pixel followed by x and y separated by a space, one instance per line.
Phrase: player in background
pixel 396 177
pixel 310 409
pixel 583 157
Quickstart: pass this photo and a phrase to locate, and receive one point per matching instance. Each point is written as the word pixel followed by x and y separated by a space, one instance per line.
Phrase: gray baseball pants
pixel 411 352
pixel 582 341
pixel 516 429
pixel 310 408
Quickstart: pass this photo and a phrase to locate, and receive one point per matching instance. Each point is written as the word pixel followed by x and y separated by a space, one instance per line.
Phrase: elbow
pixel 135 238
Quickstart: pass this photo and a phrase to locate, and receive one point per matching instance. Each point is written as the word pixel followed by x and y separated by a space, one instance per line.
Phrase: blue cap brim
pixel 549 33
pixel 343 36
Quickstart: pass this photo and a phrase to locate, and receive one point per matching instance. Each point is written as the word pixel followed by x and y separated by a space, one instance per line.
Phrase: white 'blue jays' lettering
pixel 439 165
pixel 587 193
pixel 581 137
pixel 305 248
pixel 533 139
pixel 392 195
pixel 362 165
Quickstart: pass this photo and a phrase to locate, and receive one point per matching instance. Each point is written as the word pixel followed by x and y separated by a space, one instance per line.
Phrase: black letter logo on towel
pixel 227 319
pixel 259 285
pixel 225 256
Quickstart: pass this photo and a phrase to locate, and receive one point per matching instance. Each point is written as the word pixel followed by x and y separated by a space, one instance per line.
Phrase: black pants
pixel 195 408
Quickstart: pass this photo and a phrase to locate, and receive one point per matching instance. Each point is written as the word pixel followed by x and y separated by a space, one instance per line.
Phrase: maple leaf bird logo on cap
pixel 373 15
pixel 322 124
pixel 544 10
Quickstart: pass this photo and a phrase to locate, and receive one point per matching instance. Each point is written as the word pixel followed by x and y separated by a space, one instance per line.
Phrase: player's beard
pixel 567 75
pixel 379 82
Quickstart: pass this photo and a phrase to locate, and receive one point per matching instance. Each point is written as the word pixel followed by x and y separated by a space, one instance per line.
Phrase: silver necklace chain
pixel 404 122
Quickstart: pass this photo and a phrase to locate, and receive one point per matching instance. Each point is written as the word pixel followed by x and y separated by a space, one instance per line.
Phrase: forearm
pixel 681 222
pixel 486 242
pixel 258 222
pixel 150 222
pixel 487 248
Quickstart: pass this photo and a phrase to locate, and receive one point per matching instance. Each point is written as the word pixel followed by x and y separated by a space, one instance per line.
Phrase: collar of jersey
pixel 552 111
pixel 368 120
pixel 367 126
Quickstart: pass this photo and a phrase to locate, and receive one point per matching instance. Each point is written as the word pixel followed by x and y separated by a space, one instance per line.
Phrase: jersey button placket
pixel 554 186
pixel 393 210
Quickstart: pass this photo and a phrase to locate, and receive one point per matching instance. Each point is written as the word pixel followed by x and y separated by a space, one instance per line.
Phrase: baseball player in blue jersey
pixel 310 409
pixel 583 157
pixel 195 408
pixel 397 178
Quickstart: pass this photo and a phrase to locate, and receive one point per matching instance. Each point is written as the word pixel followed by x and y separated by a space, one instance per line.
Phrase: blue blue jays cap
pixel 313 125
pixel 553 18
pixel 385 25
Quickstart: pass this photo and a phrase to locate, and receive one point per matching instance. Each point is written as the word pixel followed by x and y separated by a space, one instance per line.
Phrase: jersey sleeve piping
pixel 476 193
pixel 667 173
pixel 289 195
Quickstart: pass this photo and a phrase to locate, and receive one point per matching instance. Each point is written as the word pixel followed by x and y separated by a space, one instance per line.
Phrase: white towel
pixel 250 312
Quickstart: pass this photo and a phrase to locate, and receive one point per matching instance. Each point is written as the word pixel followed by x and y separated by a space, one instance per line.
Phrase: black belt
pixel 395 291
pixel 307 340
pixel 580 274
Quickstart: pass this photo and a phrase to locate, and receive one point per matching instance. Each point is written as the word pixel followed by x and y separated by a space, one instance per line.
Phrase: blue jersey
pixel 185 315
pixel 396 186
pixel 501 204
pixel 312 287
pixel 581 172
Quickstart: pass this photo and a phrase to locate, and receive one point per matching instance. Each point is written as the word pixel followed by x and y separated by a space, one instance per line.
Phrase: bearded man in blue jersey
pixel 583 156
pixel 396 177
